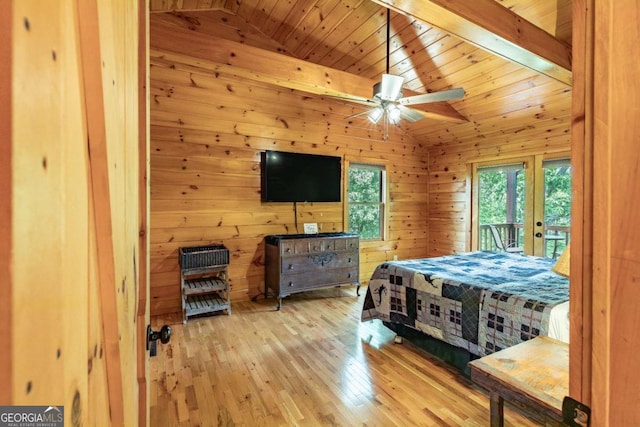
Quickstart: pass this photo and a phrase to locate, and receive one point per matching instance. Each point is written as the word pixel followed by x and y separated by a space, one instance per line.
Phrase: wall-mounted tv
pixel 296 177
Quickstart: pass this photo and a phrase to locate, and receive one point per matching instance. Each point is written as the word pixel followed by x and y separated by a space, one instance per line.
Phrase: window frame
pixel 371 164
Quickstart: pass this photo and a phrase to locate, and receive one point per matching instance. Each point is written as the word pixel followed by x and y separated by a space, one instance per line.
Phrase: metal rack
pixel 204 280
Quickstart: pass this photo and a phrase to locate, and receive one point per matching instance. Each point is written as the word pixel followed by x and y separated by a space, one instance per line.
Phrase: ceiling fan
pixel 392 106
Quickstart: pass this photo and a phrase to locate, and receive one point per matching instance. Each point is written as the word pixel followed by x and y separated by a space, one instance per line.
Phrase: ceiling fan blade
pixel 445 95
pixel 410 115
pixel 362 113
pixel 390 88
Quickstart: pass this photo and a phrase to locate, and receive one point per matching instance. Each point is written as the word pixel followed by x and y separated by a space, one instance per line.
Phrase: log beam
pixel 260 65
pixel 492 27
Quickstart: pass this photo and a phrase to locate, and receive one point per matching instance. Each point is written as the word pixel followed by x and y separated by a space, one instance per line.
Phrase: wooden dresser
pixel 301 262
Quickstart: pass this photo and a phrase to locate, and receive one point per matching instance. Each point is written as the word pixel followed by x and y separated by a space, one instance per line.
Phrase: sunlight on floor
pixel 356 378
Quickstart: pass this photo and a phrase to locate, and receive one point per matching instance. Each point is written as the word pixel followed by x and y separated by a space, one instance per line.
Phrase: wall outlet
pixel 310 228
pixel 395 257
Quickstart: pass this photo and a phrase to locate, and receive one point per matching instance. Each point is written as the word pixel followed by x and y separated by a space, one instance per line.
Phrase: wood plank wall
pixel 57 349
pixel 207 132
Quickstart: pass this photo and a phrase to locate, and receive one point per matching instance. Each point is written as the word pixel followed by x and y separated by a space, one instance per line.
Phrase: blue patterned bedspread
pixel 481 301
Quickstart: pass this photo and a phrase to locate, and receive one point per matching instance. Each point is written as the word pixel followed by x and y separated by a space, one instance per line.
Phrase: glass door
pixel 502 200
pixel 554 203
pixel 522 205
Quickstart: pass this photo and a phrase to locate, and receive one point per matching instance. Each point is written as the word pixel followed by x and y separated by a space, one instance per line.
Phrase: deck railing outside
pixel 556 237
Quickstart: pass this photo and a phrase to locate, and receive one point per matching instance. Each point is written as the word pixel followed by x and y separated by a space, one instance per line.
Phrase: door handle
pixel 152 336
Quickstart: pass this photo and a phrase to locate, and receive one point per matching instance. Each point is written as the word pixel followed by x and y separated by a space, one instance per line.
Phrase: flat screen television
pixel 296 177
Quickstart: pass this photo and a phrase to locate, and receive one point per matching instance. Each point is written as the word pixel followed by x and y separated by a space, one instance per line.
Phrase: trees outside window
pixel 366 200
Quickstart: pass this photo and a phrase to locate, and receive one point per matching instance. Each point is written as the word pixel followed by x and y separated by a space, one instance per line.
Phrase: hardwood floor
pixel 312 363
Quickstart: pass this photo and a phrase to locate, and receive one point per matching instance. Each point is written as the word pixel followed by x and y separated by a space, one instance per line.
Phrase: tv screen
pixel 295 177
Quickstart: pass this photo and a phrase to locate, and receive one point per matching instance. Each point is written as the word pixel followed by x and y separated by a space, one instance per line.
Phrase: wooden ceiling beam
pixel 260 65
pixel 159 6
pixel 492 27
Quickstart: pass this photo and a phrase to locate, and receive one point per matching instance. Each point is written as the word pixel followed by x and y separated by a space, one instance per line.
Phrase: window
pixel 366 200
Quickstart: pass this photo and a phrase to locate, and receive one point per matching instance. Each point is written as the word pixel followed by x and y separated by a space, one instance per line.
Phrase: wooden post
pixel 91 70
pixel 582 203
pixel 5 206
pixel 511 206
pixel 142 312
pixel 616 201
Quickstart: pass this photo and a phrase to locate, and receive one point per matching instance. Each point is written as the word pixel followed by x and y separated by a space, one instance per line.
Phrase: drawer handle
pixel 290 283
pixel 290 266
pixel 349 260
pixel 349 275
pixel 287 250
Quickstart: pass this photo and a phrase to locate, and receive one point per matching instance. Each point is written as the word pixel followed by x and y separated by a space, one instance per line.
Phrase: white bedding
pixel 559 322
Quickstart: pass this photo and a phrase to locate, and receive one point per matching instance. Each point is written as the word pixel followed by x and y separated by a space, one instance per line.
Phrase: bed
pixel 480 302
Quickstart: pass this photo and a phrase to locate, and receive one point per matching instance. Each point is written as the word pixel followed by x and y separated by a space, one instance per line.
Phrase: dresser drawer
pixel 311 245
pixel 301 246
pixel 294 247
pixel 291 283
pixel 318 261
pixel 351 243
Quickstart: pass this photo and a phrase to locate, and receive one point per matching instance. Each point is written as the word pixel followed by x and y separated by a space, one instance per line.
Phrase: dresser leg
pixel 279 303
pixel 358 290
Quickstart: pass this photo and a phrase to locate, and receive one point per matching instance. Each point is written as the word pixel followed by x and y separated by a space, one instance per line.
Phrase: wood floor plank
pixel 311 363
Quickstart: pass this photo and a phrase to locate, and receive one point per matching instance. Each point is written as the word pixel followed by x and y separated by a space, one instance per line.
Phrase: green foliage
pixel 557 198
pixel 557 201
pixel 493 197
pixel 365 220
pixel 365 197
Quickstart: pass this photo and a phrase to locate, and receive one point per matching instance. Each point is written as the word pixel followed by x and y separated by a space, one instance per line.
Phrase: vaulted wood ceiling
pixel 503 96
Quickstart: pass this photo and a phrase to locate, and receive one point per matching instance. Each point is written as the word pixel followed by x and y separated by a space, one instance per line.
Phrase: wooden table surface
pixel 533 375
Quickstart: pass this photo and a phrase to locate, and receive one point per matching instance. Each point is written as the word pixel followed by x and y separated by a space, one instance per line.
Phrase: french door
pixel 522 204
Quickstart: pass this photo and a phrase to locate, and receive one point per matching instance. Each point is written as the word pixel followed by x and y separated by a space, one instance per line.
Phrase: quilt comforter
pixel 480 301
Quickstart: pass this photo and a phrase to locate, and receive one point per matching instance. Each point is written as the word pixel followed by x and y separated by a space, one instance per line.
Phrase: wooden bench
pixel 533 376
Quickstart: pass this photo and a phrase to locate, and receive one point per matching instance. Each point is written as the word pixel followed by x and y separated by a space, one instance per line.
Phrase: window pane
pixel 364 184
pixel 365 200
pixel 557 206
pixel 502 204
pixel 365 220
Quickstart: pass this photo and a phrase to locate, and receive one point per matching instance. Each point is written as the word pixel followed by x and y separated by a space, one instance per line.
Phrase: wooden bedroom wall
pixel 449 180
pixel 207 131
pixel 54 347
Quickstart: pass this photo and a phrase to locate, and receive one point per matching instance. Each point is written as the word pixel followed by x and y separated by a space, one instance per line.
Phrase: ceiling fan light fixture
pixel 394 113
pixel 392 106
pixel 375 115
